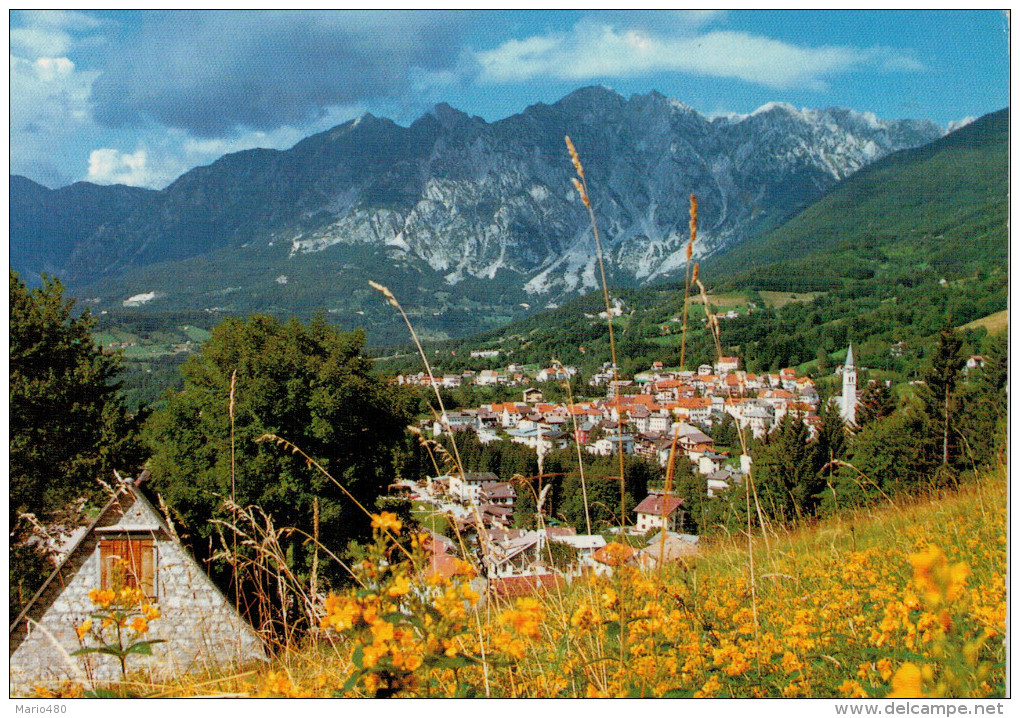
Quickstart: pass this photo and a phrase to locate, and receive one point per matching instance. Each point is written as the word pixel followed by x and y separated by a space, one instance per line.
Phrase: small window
pixel 128 562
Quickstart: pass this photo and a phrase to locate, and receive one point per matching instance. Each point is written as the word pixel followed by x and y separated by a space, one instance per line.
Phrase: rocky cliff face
pixel 494 202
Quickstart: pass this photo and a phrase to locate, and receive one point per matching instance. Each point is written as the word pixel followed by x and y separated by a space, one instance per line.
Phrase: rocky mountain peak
pixel 493 202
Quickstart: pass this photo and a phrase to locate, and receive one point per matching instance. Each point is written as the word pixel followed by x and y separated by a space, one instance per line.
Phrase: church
pixel 848 399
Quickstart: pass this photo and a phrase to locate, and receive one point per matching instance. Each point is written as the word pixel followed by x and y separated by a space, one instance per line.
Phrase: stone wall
pixel 201 629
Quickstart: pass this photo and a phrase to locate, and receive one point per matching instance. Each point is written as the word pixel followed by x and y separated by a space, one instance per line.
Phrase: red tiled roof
pixel 654 505
pixel 694 402
pixel 443 565
pixel 614 554
pixel 512 586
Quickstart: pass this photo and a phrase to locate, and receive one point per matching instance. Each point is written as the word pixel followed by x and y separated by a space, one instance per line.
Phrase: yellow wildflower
pixel 710 688
pixel 386 521
pixel 84 628
pixel 907 682
pixel 340 613
pixel 400 587
pixel 852 689
pixel 382 631
pixel 102 598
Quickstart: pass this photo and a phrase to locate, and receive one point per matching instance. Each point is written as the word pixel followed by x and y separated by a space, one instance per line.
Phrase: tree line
pixel 313 386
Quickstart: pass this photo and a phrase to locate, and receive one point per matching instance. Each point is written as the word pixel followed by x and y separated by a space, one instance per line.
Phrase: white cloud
pixel 110 166
pixel 36 42
pixel 48 108
pixel 592 51
pixel 48 33
pixel 957 124
pixel 67 19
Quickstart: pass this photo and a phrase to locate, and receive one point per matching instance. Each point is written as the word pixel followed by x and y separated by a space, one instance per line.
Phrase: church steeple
pixel 848 401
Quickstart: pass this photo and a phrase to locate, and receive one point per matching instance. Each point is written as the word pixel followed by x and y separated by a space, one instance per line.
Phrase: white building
pixel 848 400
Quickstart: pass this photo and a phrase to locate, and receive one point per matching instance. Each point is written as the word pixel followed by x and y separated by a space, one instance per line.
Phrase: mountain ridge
pixel 455 204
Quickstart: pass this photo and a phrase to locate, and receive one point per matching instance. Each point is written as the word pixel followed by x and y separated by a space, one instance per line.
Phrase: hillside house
pixel 727 364
pixel 611 444
pixel 658 511
pixel 669 549
pixel 201 627
pixel 532 396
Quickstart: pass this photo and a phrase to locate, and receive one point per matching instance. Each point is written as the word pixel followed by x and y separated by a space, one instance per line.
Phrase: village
pixel 659 413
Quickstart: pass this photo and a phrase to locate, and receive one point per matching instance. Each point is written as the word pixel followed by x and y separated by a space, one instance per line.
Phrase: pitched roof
pixel 443 565
pixel 655 503
pixel 525 585
pixel 614 554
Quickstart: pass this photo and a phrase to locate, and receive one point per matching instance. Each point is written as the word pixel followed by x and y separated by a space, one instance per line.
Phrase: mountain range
pixel 471 222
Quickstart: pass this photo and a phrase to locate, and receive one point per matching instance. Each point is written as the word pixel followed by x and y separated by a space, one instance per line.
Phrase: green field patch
pixel 781 299
pixel 196 334
pixel 729 299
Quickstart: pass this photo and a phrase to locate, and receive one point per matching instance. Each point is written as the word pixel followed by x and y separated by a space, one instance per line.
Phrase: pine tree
pixel 68 425
pixel 941 379
pixel 876 403
pixel 786 471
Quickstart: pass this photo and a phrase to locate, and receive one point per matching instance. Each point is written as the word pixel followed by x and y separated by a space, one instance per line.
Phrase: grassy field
pixel 780 299
pixel 903 599
pixel 719 301
pixel 993 323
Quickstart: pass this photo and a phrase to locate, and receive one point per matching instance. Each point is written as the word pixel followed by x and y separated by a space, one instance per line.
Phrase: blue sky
pixel 141 97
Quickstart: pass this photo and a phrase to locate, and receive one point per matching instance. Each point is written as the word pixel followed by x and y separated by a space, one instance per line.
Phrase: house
pixel 726 364
pixel 669 548
pixel 721 480
pixel 532 396
pixel 552 374
pixel 585 544
pixel 657 509
pixel 200 626
pixel 487 377
pixel 614 554
pixel 710 462
pixel 498 493
pixel 526 585
pixel 611 444
pixel 463 491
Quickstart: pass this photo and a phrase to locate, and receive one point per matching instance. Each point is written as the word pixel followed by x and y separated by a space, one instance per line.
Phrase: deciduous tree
pixel 308 384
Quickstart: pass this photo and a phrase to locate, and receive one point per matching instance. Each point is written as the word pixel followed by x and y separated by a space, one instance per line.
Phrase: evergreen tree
pixel 68 425
pixel 941 379
pixel 876 402
pixel 897 454
pixel 693 489
pixel 786 471
pixel 982 415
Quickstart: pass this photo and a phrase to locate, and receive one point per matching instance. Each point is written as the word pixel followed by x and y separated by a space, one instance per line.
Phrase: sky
pixel 140 97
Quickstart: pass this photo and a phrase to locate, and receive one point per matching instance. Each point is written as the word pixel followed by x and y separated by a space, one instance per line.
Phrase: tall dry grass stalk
pixel 712 322
pixel 581 185
pixel 687 284
pixel 458 464
pixel 233 489
pixel 391 299
pixel 577 445
pixel 667 489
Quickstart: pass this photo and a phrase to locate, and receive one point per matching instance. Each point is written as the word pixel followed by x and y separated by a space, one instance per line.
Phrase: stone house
pixel 200 627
